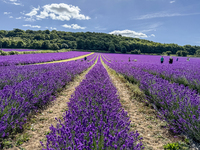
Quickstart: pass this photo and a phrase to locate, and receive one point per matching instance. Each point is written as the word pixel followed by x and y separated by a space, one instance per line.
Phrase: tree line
pixel 56 40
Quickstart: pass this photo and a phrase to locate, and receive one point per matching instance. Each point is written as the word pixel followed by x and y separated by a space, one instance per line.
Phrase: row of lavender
pixel 37 58
pixel 95 119
pixel 18 50
pixel 181 71
pixel 31 87
pixel 179 105
pixel 11 75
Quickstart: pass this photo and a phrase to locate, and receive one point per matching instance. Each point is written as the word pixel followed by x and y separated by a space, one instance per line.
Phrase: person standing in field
pixel 161 59
pixel 85 58
pixel 176 59
pixel 188 59
pixel 170 60
pixel 129 59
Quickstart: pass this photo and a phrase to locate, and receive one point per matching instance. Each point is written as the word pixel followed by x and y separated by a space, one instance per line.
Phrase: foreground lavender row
pixel 37 58
pixel 34 86
pixel 95 119
pixel 179 105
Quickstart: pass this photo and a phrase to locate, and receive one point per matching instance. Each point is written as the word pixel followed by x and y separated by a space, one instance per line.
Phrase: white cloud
pixel 172 2
pixel 14 2
pixel 29 19
pixel 150 27
pixel 73 26
pixel 152 35
pixel 7 13
pixel 33 12
pixel 19 18
pixel 163 14
pixel 28 25
pixel 58 12
pixel 17 4
pixel 129 33
pixel 22 13
pixel 100 28
pixel 10 16
pixel 148 30
pixel 53 28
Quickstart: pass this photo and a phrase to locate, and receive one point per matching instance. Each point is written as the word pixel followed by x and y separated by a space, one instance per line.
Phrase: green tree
pixel 73 44
pixel 54 46
pixel 11 33
pixel 36 45
pixel 29 31
pixel 20 44
pixel 190 49
pixel 64 45
pixel 87 44
pixel 47 32
pixel 184 53
pixel 3 32
pixel 80 44
pixel 198 52
pixel 53 36
pixel 45 45
pixel 168 52
pixel 136 51
pixel 1 44
pixel 123 49
pixel 6 44
pixel 111 48
pixel 179 53
pixel 47 37
pixel 38 37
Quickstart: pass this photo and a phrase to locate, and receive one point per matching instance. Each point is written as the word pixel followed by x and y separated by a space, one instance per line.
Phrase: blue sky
pixel 165 21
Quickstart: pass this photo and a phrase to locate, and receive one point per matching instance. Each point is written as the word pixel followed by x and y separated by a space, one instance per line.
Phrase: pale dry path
pixel 41 122
pixel 143 118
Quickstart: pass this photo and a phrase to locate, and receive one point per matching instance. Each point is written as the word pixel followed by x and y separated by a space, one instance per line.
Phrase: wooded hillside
pixel 55 40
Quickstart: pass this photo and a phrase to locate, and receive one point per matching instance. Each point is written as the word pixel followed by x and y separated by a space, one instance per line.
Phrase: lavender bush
pixel 179 105
pixel 95 119
pixel 181 71
pixel 37 58
pixel 19 50
pixel 32 88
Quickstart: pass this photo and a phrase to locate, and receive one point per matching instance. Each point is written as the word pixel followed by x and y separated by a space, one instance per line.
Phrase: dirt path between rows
pixel 41 122
pixel 143 118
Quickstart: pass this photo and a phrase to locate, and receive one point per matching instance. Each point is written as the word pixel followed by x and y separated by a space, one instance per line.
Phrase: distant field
pixel 38 58
pixel 18 50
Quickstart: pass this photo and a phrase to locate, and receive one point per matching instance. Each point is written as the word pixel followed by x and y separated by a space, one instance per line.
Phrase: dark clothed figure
pixel 170 60
pixel 161 59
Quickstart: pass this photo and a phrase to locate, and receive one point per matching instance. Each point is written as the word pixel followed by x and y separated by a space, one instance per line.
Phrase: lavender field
pixel 95 118
pixel 172 88
pixel 37 58
pixel 18 50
